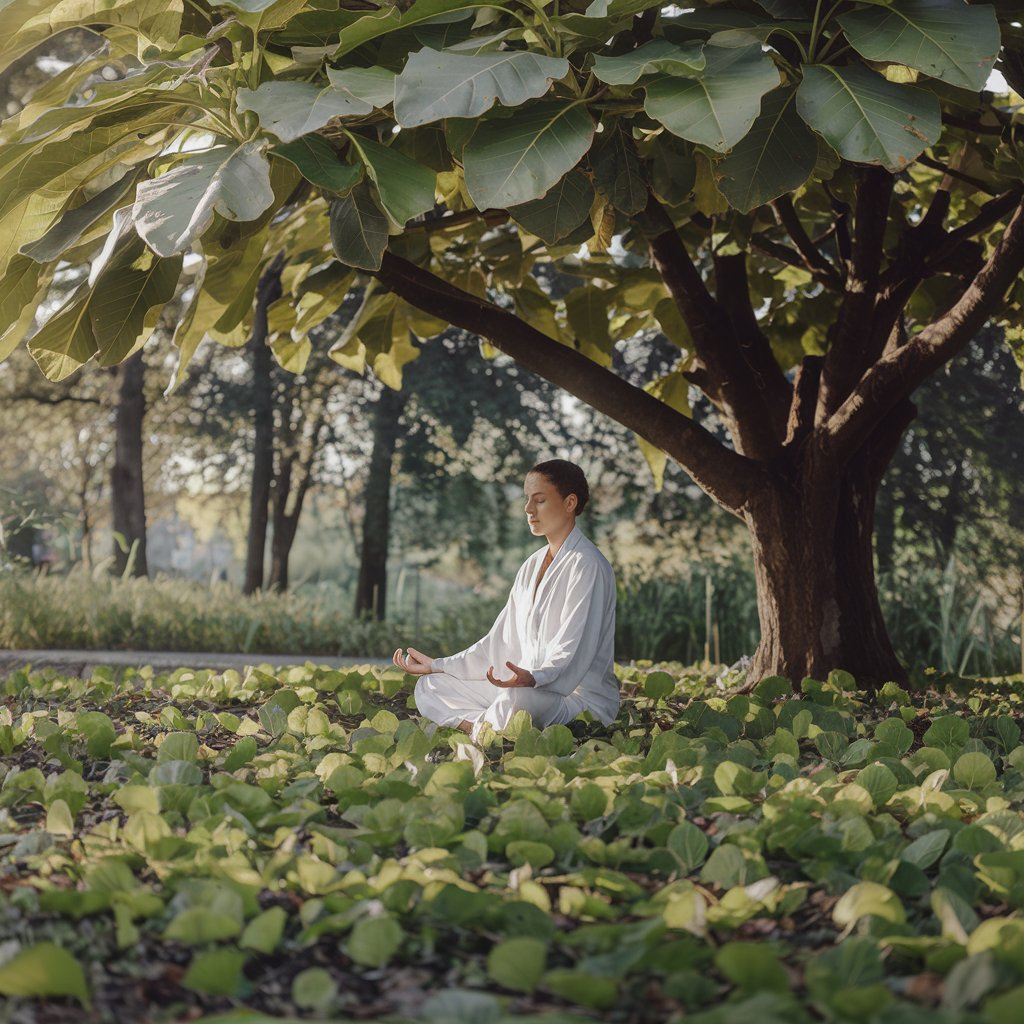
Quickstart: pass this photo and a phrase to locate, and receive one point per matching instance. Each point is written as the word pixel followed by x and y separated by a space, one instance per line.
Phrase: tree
pixel 128 494
pixel 817 202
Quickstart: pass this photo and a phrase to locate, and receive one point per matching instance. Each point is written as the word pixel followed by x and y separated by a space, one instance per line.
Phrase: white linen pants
pixel 448 701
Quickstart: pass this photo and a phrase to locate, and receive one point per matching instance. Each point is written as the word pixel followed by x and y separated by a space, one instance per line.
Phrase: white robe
pixel 564 634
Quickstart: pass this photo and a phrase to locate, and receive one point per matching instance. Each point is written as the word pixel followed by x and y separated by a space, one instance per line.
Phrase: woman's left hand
pixel 520 677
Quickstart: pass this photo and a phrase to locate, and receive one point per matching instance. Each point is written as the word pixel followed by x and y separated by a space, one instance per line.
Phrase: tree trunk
pixel 816 594
pixel 288 502
pixel 269 291
pixel 371 589
pixel 127 492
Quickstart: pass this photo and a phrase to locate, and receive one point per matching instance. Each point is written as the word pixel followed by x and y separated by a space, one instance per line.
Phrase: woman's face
pixel 547 511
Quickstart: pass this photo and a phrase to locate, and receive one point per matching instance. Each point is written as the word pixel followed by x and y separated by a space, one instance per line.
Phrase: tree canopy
pixel 819 203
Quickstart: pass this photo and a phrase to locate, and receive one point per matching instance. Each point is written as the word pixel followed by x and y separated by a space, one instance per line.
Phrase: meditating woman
pixel 550 651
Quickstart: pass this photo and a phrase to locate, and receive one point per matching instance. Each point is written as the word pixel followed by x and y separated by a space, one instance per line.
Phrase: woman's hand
pixel 413 662
pixel 520 677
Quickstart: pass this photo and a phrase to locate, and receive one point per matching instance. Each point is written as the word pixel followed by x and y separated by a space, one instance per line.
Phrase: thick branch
pixel 847 356
pixel 733 292
pixel 745 407
pixel 726 476
pixel 805 399
pixel 901 370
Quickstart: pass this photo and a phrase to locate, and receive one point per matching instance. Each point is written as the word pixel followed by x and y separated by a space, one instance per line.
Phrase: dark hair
pixel 567 478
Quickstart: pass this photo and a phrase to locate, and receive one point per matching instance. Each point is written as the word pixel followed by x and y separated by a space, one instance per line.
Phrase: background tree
pixel 816 202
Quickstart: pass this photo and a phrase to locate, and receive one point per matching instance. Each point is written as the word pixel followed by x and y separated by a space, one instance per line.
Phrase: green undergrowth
pixel 300 846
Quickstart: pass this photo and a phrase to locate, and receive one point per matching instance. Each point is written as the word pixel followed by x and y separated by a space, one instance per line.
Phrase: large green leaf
pixel 511 160
pixel 434 85
pixel 44 970
pixel 718 108
pixel 359 230
pixel 375 86
pixel 74 223
pixel 319 163
pixel 108 319
pixel 175 209
pixel 656 56
pixel 776 156
pixel 127 303
pixel 562 209
pixel 866 118
pixel 617 170
pixel 292 109
pixel 35 186
pixel 390 17
pixel 406 188
pixel 946 39
pixel 28 23
pixel 21 290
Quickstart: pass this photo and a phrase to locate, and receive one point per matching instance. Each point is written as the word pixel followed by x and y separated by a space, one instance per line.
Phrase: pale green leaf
pixel 292 109
pixel 44 970
pixel 511 160
pixel 436 84
pixel 518 963
pixel 374 940
pixel 74 223
pixel 653 57
pixel 718 108
pixel 173 210
pixel 375 86
pixel 406 188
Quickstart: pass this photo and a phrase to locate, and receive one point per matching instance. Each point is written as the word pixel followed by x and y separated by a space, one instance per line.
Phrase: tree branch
pixel 967 179
pixel 727 477
pixel 733 291
pixel 901 370
pixel 43 399
pixel 744 406
pixel 847 357
pixel 813 258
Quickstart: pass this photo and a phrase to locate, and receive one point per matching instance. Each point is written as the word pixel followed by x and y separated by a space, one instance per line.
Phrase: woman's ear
pixel 571 502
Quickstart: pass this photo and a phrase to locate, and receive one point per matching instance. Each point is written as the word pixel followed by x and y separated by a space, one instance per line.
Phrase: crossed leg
pixel 460 702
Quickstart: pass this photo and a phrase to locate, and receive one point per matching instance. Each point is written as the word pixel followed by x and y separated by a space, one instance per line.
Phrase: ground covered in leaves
pixel 299 846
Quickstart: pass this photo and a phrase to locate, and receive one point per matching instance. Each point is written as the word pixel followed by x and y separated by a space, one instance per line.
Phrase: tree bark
pixel 371 588
pixel 127 492
pixel 269 290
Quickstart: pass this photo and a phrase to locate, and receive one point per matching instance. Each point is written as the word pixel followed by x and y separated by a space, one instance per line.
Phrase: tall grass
pixel 937 617
pixel 942 617
pixel 667 619
pixel 98 612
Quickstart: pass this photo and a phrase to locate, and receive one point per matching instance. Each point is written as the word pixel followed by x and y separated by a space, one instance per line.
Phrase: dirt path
pixel 81 663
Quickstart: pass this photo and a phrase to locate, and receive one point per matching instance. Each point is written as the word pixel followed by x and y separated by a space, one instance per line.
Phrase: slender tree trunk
pixel 288 504
pixel 371 589
pixel 127 493
pixel 284 530
pixel 269 291
pixel 817 598
pixel 84 519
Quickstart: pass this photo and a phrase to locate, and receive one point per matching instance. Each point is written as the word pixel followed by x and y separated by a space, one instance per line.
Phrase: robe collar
pixel 572 541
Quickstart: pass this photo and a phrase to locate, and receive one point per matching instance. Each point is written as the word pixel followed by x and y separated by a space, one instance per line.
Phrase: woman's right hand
pixel 413 662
